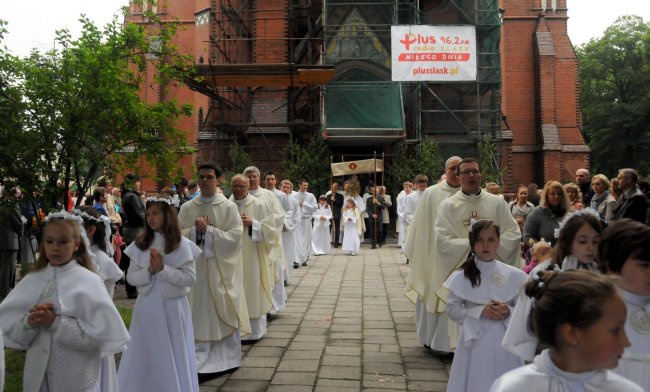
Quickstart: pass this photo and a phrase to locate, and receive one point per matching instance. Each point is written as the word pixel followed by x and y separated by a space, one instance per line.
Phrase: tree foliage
pixel 239 160
pixel 424 158
pixel 77 109
pixel 311 162
pixel 615 96
pixel 487 161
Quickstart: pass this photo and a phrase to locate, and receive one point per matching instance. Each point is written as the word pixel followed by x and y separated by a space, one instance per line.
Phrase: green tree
pixel 82 110
pixel 423 158
pixel 239 160
pixel 487 161
pixel 311 162
pixel 615 96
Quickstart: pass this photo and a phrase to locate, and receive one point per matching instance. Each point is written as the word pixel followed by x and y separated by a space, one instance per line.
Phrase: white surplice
pixel 479 357
pixel 426 275
pixel 217 299
pixel 110 273
pixel 400 226
pixel 291 222
pixel 452 233
pixel 635 363
pixel 274 201
pixel 161 353
pixel 320 236
pixel 303 233
pixel 258 266
pixel 543 376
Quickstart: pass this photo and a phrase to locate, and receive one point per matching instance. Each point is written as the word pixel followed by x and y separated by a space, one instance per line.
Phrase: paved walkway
pixel 347 327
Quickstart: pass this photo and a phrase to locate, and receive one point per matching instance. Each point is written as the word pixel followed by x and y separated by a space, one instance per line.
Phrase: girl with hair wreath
pixel 161 355
pixel 580 317
pixel 482 293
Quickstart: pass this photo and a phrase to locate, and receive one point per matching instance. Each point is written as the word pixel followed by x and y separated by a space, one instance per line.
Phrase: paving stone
pixel 340 372
pixel 329 383
pixel 252 374
pixel 302 354
pixel 334 350
pixel 260 351
pixel 382 357
pixel 299 365
pixel 306 346
pixel 260 362
pixel 426 375
pixel 290 388
pixel 341 360
pixel 245 385
pixel 294 378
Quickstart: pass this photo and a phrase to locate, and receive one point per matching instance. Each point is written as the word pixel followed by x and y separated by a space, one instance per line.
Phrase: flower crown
pixel 86 216
pixel 571 215
pixel 64 215
pixel 153 199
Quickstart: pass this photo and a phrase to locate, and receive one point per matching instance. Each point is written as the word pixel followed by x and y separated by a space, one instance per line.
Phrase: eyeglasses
pixel 470 172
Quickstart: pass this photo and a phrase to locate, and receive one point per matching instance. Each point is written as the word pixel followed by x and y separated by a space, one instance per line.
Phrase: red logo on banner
pixel 352 166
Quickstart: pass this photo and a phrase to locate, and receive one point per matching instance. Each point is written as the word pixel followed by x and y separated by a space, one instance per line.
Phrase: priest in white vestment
pixel 452 227
pixel 291 222
pixel 217 299
pixel 259 227
pixel 270 197
pixel 308 205
pixel 426 275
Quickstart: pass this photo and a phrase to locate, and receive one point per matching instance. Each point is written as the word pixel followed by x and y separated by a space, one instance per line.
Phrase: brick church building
pixel 274 72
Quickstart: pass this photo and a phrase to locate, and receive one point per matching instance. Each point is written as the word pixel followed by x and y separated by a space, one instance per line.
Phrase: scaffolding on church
pixel 348 42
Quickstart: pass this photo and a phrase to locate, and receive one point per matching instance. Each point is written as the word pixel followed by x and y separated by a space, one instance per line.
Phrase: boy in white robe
pixel 308 205
pixel 291 222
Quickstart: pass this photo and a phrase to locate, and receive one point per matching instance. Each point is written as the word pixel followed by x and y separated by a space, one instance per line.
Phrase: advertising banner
pixel 433 53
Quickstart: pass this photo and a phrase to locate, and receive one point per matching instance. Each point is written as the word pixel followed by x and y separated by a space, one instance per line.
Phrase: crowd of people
pixel 560 282
pixel 557 278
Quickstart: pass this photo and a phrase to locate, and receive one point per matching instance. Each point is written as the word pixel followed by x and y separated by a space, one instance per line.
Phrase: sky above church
pixel 33 24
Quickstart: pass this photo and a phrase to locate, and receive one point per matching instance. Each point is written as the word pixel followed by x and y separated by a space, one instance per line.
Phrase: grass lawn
pixel 15 360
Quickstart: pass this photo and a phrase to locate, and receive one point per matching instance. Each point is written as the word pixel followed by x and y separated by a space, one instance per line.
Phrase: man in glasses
pixel 455 215
pixel 214 223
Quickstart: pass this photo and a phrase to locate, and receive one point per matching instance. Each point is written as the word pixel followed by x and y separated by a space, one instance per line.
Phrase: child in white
pixel 98 230
pixel 481 296
pixel 320 237
pixel 352 228
pixel 61 314
pixel 577 247
pixel 580 316
pixel 625 251
pixel 161 354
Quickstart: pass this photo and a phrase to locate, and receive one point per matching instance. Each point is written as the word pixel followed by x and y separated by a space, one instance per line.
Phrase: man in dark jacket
pixel 335 200
pixel 584 182
pixel 11 227
pixel 374 207
pixel 133 224
pixel 633 203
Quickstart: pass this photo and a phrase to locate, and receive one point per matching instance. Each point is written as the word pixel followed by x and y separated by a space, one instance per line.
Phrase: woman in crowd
pixel 600 185
pixel 545 218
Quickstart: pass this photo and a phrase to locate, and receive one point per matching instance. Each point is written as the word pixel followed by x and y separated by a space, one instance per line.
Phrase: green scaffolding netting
pixel 364 106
